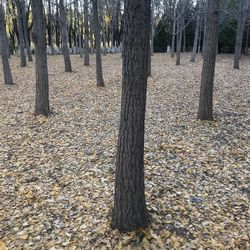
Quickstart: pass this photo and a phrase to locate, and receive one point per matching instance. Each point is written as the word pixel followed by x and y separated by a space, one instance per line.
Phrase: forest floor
pixel 57 174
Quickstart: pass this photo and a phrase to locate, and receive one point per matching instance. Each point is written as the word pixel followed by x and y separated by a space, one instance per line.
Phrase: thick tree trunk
pixel 86 33
pixel 206 90
pixel 130 212
pixel 196 37
pixel 4 48
pixel 64 32
pixel 21 34
pixel 99 76
pixel 42 81
pixel 240 31
pixel 25 32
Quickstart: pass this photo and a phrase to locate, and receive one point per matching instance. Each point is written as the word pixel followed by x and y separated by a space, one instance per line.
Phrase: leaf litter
pixel 57 174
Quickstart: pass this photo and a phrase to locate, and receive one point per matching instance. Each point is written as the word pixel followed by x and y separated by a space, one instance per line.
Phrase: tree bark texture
pixel 209 58
pixel 130 212
pixel 4 48
pixel 196 37
pixel 64 32
pixel 42 81
pixel 23 62
pixel 99 76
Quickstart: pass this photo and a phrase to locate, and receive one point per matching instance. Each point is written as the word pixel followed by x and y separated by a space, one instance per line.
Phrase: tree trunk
pixel 179 41
pixel 42 81
pixel 240 31
pixel 25 32
pixel 130 212
pixel 173 32
pixel 86 33
pixel 99 76
pixel 64 32
pixel 20 33
pixel 50 33
pixel 196 37
pixel 4 48
pixel 209 58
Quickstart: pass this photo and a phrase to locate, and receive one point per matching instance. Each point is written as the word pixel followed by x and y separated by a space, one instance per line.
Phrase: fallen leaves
pixel 57 173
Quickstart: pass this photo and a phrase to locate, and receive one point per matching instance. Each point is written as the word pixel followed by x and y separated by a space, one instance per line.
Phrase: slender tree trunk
pixel 4 48
pixel 179 41
pixel 42 81
pixel 79 32
pixel 86 33
pixel 103 32
pixel 130 212
pixel 25 32
pixel 173 32
pixel 240 31
pixel 50 32
pixel 206 90
pixel 196 37
pixel 64 32
pixel 99 76
pixel 20 33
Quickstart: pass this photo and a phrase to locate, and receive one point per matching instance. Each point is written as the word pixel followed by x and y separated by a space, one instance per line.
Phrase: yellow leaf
pixel 2 245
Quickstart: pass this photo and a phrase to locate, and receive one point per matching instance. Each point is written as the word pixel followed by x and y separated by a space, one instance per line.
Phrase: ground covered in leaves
pixel 57 174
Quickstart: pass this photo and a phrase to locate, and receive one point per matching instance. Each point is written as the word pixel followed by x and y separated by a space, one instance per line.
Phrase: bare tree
pixel 99 76
pixel 243 6
pixel 196 36
pixel 21 34
pixel 209 58
pixel 42 81
pixel 4 48
pixel 130 212
pixel 86 33
pixel 64 32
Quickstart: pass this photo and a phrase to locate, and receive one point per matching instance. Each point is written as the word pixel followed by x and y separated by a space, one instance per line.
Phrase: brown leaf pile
pixel 57 174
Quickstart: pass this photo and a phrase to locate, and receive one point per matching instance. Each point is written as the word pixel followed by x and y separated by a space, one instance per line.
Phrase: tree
pixel 4 48
pixel 243 6
pixel 130 210
pixel 64 32
pixel 209 58
pixel 86 33
pixel 42 81
pixel 21 34
pixel 196 37
pixel 99 76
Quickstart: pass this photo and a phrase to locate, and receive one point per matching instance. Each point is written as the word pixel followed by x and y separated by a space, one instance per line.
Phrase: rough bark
pixel 23 62
pixel 42 81
pixel 86 33
pixel 25 32
pixel 4 48
pixel 240 31
pixel 64 32
pixel 196 37
pixel 99 76
pixel 209 58
pixel 130 212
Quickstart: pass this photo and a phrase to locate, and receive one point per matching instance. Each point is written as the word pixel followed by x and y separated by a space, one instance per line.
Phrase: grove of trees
pixel 38 29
